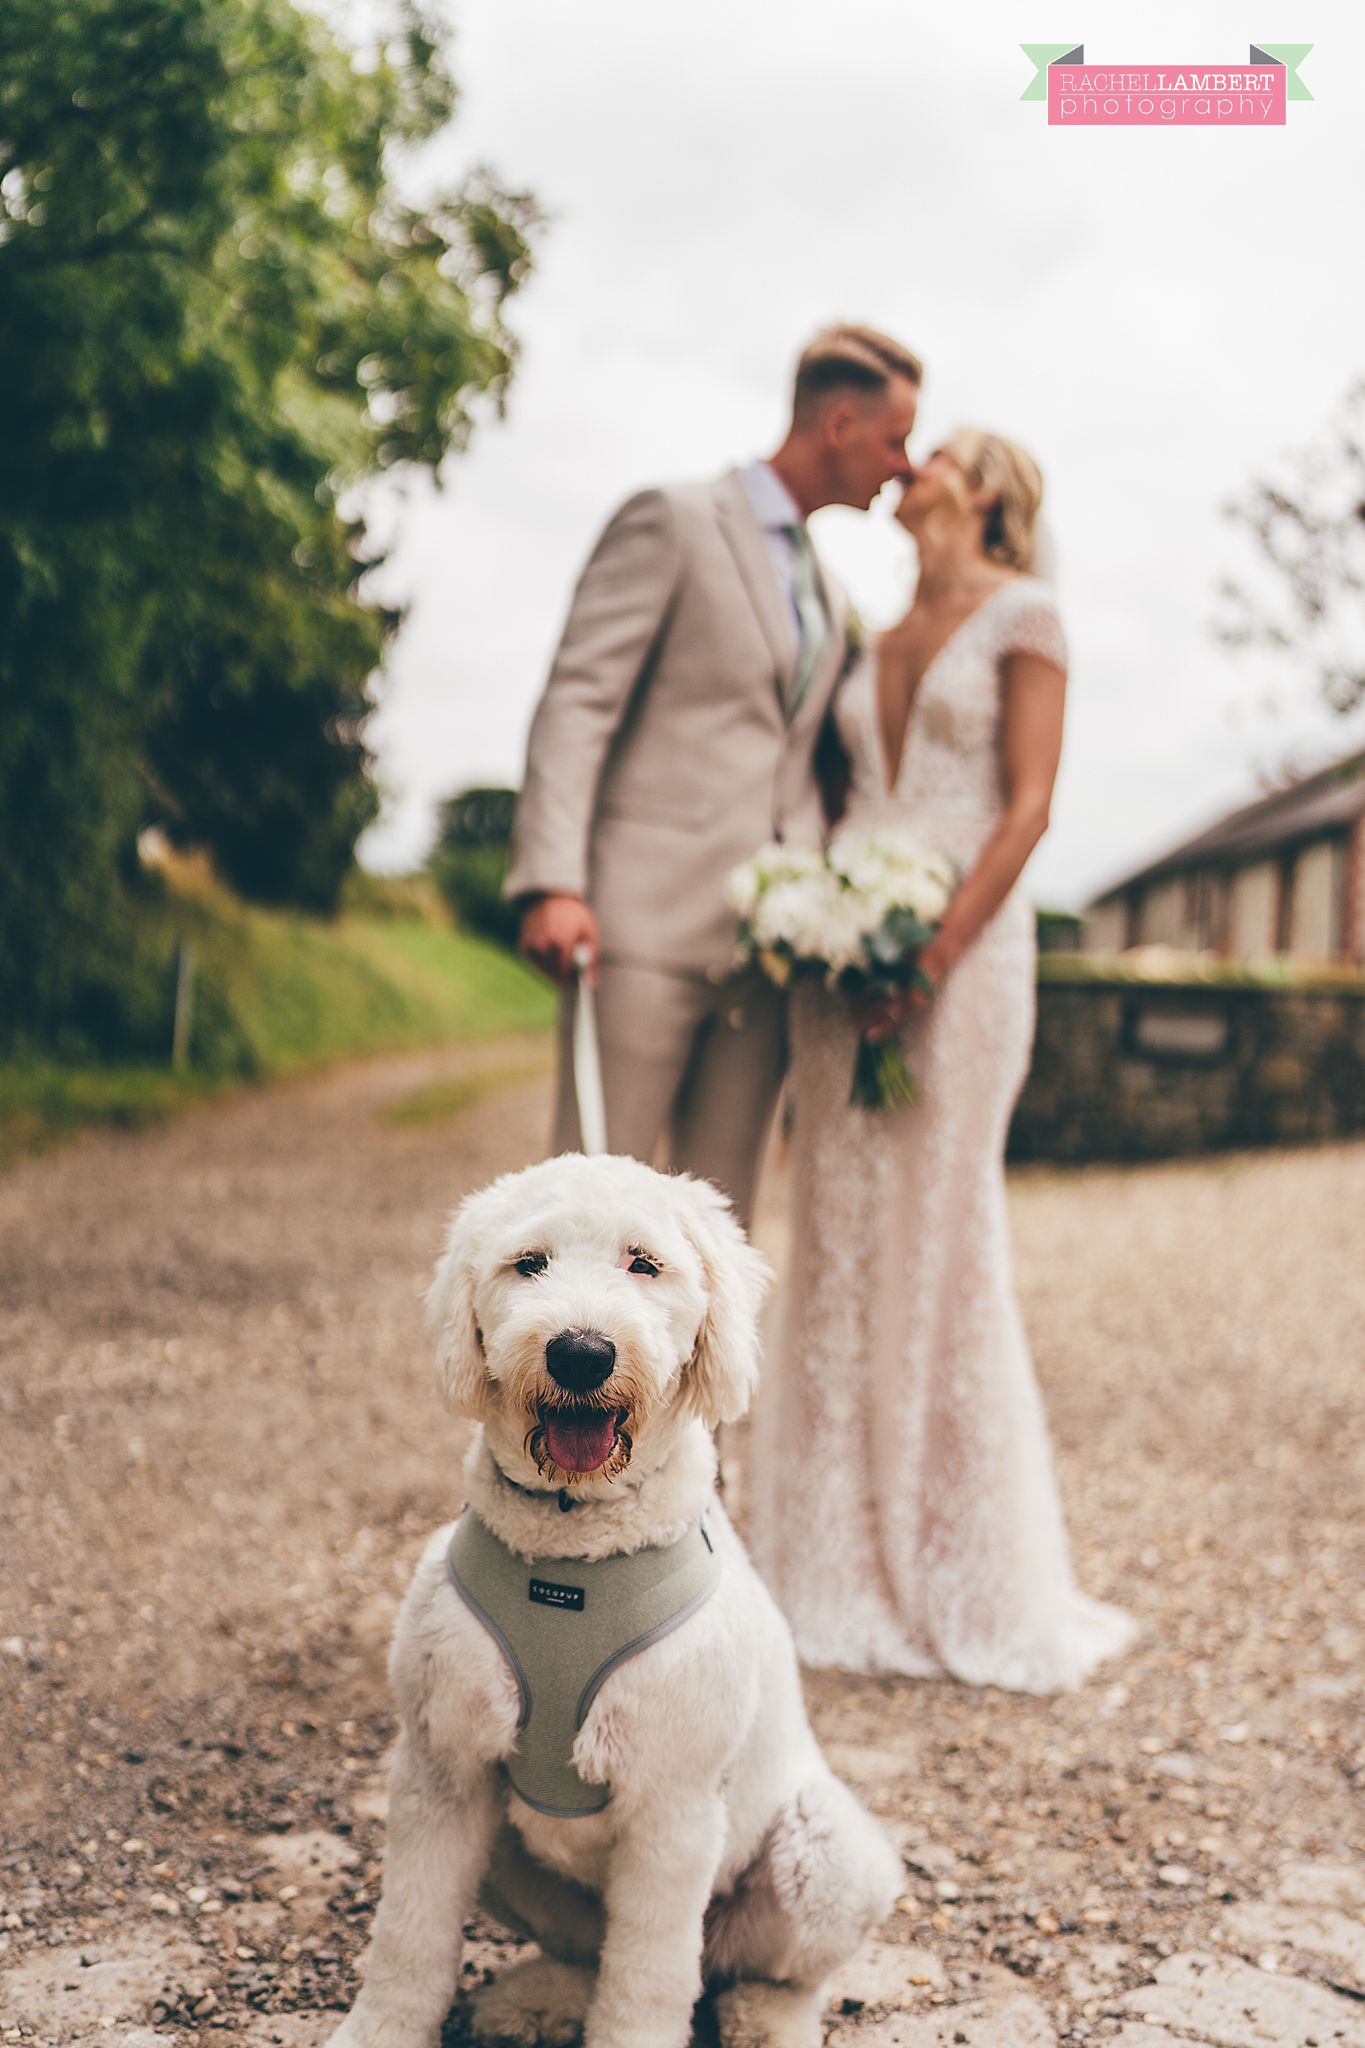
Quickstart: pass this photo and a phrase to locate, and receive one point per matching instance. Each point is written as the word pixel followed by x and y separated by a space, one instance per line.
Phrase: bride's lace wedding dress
pixel 906 1513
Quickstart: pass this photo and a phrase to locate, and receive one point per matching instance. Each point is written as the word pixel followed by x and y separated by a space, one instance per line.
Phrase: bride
pixel 906 1513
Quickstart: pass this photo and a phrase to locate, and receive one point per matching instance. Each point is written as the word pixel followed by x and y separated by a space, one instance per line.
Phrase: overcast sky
pixel 1153 314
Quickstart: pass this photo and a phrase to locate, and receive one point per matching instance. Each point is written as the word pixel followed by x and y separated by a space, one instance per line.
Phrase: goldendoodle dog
pixel 603 1740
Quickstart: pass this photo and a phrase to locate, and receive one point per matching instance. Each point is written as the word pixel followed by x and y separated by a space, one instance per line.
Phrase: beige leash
pixel 587 1061
pixel 592 1114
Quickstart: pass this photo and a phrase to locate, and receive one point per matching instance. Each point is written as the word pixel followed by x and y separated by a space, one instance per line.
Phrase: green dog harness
pixel 564 1625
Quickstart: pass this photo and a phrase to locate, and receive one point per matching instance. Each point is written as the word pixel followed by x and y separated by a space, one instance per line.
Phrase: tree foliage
pixel 476 817
pixel 469 860
pixel 220 313
pixel 1307 522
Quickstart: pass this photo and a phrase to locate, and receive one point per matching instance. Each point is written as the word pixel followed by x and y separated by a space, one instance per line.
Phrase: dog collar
pixel 538 1493
pixel 564 1624
pixel 564 1494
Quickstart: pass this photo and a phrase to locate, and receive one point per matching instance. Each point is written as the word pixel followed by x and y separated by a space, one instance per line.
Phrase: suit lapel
pixel 749 545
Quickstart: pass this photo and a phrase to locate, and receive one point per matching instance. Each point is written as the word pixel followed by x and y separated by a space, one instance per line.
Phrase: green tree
pixel 220 314
pixel 469 860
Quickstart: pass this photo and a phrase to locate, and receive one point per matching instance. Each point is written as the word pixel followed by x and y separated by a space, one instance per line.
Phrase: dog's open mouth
pixel 579 1440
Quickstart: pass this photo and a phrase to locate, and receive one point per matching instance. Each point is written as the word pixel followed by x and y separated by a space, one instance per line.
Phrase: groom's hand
pixel 552 929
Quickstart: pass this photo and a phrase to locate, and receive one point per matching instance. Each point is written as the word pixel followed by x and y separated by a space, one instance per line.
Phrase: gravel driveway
pixel 222 1457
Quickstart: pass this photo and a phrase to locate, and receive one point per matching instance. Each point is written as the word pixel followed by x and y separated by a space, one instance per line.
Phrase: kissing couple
pixel 710 693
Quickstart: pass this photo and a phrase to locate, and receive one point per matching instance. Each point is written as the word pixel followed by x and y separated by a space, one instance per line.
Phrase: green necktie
pixel 810 610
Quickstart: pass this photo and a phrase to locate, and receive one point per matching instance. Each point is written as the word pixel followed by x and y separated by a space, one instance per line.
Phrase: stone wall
pixel 1127 1069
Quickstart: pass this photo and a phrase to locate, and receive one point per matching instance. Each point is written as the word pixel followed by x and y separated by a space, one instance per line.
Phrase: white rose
pixel 894 871
pixel 858 858
pixel 838 924
pixel 776 862
pixel 925 894
pixel 782 915
pixel 902 849
pixel 741 889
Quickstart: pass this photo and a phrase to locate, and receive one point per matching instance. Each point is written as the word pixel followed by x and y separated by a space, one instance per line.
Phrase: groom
pixel 676 734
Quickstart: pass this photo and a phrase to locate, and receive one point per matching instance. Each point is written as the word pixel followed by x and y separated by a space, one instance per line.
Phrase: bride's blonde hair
pixel 1008 470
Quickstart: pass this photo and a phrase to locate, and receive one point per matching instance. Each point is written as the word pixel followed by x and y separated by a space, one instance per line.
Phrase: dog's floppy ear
pixel 460 1374
pixel 720 1377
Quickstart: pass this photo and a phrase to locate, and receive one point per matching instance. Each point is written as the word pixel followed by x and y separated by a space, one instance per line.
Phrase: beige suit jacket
pixel 661 753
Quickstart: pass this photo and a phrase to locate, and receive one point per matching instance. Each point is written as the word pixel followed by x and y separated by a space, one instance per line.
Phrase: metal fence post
pixel 184 1004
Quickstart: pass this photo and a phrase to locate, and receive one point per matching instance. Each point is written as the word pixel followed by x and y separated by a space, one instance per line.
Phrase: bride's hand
pixel 933 965
pixel 877 1016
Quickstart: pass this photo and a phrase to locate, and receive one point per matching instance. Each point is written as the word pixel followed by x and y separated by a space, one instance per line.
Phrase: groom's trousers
pixel 684 1057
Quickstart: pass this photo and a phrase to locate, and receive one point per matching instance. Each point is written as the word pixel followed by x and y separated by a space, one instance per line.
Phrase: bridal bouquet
pixel 858 916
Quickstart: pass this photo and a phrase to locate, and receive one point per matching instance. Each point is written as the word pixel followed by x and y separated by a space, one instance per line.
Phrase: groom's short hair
pixel 846 358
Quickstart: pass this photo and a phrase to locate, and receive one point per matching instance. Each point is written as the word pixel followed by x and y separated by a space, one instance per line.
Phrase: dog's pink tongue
pixel 580 1443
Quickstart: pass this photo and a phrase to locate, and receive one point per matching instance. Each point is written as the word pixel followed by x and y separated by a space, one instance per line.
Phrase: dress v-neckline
pixel 890 781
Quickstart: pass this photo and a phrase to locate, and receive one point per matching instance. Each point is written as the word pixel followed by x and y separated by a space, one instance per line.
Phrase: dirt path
pixel 221 1458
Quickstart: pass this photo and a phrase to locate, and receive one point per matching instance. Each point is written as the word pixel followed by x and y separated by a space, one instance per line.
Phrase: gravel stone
pixel 1324 1884
pixel 1317 1931
pixel 885 1977
pixel 1008 2022
pixel 86 1983
pixel 1230 2004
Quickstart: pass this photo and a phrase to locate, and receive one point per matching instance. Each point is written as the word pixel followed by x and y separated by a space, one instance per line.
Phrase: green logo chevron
pixel 1291 55
pixel 1043 54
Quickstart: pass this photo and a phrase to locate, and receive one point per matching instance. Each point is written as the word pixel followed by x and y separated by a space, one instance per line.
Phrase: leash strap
pixel 587 1063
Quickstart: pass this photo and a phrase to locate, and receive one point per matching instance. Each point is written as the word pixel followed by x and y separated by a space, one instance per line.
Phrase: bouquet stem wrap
pixel 881 1079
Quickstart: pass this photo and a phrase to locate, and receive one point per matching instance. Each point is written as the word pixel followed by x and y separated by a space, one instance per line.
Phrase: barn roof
pixel 1328 801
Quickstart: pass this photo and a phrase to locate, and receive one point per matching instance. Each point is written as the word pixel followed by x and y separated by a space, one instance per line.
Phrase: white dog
pixel 599 1318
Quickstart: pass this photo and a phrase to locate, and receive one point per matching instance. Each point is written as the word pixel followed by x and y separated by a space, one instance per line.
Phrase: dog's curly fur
pixel 729 1856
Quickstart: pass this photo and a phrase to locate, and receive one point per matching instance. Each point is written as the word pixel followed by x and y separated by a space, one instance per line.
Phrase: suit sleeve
pixel 615 616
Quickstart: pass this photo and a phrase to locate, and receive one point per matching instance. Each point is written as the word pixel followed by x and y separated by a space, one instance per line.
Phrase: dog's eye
pixel 641 1262
pixel 531 1263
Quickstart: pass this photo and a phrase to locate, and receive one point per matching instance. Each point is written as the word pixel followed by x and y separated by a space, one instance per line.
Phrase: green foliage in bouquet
pixel 900 934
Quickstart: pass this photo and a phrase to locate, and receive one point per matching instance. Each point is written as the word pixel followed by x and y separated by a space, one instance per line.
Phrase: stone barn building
pixel 1285 875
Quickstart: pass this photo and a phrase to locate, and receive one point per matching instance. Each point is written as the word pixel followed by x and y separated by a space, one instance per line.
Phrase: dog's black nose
pixel 580 1359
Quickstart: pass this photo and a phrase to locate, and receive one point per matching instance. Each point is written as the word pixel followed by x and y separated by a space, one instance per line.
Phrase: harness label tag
pixel 546 1593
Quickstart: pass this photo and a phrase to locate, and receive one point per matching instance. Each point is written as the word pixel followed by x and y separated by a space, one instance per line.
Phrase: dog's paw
pixel 761 2015
pixel 536 2004
pixel 380 2030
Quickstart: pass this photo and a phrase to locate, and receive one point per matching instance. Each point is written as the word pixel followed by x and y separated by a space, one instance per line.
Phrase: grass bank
pixel 274 993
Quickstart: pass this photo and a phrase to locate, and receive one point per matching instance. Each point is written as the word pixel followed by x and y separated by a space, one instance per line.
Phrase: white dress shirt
pixel 776 510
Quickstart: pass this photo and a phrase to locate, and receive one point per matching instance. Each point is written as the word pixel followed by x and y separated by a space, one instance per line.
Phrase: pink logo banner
pixel 1166 96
